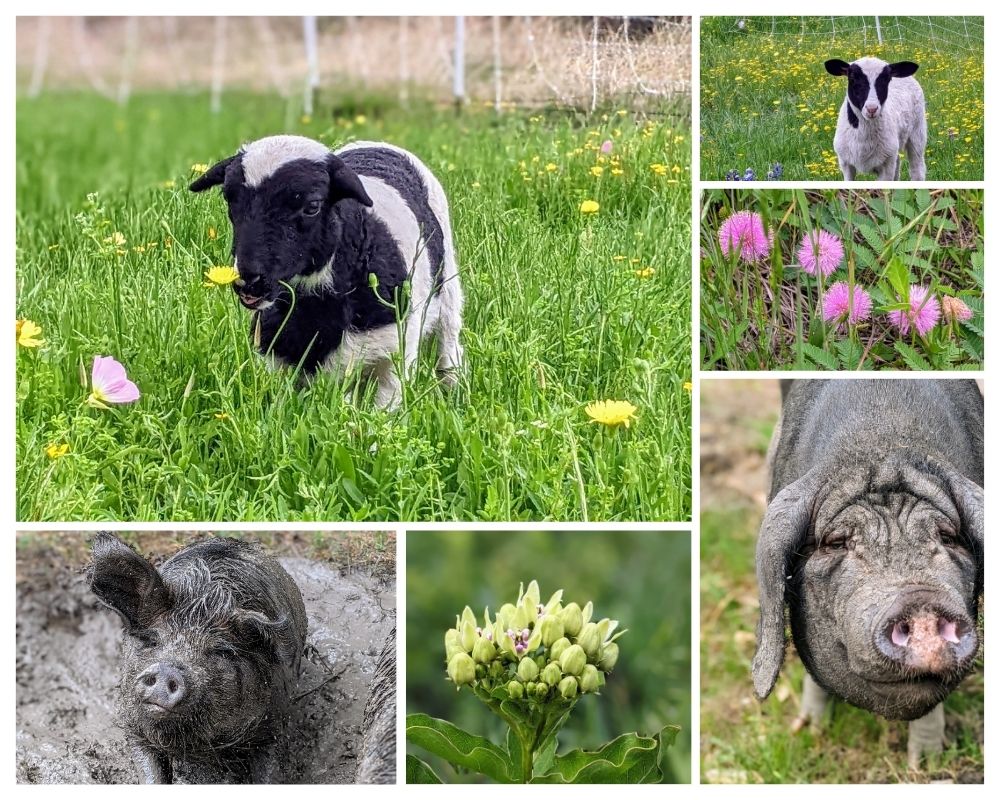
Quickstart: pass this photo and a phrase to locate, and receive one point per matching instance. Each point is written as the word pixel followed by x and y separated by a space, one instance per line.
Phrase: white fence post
pixel 458 71
pixel 309 36
pixel 41 58
pixel 878 29
pixel 593 69
pixel 497 67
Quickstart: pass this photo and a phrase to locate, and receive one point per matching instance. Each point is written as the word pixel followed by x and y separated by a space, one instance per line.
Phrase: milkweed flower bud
pixel 572 619
pixel 552 630
pixel 496 669
pixel 610 657
pixel 484 652
pixel 462 669
pixel 573 659
pixel 589 680
pixel 541 690
pixel 515 690
pixel 558 647
pixel 589 639
pixel 552 674
pixel 468 636
pixel 452 644
pixel 568 688
pixel 527 670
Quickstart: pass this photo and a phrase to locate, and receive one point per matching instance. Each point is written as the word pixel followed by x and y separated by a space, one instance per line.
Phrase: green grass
pixel 767 99
pixel 766 314
pixel 556 317
pixel 746 741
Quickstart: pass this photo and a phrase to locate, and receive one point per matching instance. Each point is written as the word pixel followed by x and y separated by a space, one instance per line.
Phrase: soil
pixel 67 671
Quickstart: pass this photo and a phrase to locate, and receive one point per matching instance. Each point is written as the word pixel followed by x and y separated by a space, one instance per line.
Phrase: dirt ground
pixel 67 670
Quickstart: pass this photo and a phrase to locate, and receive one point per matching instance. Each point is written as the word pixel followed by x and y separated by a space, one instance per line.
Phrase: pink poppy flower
pixel 110 384
pixel 838 305
pixel 922 316
pixel 820 251
pixel 744 232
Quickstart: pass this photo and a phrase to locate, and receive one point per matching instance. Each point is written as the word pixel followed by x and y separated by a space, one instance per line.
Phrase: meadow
pixel 766 98
pixel 743 740
pixel 563 308
pixel 912 260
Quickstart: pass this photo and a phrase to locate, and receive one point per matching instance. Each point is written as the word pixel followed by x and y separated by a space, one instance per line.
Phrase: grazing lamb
pixel 333 247
pixel 873 540
pixel 882 114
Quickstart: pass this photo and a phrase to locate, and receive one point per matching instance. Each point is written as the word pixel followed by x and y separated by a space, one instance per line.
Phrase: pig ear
pixel 274 635
pixel 785 526
pixel 345 183
pixel 968 497
pixel 126 582
pixel 215 175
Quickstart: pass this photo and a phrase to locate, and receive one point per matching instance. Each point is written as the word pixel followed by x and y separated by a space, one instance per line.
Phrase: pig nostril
pixel 172 686
pixel 901 633
pixel 149 680
pixel 948 630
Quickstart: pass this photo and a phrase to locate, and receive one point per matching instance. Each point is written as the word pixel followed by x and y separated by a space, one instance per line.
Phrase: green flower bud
pixel 589 639
pixel 588 612
pixel 552 674
pixel 469 637
pixel 484 652
pixel 572 619
pixel 406 288
pixel 529 687
pixel 462 669
pixel 527 670
pixel 533 595
pixel 558 647
pixel 480 671
pixel 610 657
pixel 552 630
pixel 606 627
pixel 372 280
pixel 568 688
pixel 515 690
pixel 589 680
pixel 496 669
pixel 541 690
pixel 573 659
pixel 452 643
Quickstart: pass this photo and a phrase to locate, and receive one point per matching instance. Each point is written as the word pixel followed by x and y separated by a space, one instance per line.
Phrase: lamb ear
pixel 345 183
pixel 903 69
pixel 214 177
pixel 781 533
pixel 836 67
pixel 125 582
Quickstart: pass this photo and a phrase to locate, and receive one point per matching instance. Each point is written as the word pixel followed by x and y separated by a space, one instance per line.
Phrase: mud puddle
pixel 67 670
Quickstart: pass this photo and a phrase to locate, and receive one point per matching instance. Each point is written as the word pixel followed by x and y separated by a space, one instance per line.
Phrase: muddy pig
pixel 377 760
pixel 873 538
pixel 211 653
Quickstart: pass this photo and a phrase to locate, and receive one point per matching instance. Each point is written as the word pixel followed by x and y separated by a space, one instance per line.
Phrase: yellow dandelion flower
pixel 589 207
pixel 688 386
pixel 550 167
pixel 221 415
pixel 658 169
pixel 611 412
pixel 55 451
pixel 597 171
pixel 220 276
pixel 169 184
pixel 645 272
pixel 117 239
pixel 617 171
pixel 29 333
pixel 212 233
pixel 619 258
pixel 199 169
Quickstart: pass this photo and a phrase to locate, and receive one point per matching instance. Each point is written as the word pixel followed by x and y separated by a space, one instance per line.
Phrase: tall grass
pixel 561 310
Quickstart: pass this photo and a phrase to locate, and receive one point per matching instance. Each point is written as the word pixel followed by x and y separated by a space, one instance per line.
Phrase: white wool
pixel 264 157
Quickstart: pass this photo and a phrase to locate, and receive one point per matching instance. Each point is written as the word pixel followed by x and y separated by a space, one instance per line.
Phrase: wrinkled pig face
pixel 883 602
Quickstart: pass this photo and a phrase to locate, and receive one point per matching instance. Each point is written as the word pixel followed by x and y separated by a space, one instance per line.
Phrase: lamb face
pixel 868 84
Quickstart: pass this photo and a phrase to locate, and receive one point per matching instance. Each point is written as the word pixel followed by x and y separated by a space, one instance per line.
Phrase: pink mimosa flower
pixel 955 310
pixel 743 232
pixel 110 384
pixel 838 304
pixel 923 316
pixel 820 251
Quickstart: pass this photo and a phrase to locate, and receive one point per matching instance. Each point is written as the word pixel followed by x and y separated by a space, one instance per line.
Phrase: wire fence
pixel 582 62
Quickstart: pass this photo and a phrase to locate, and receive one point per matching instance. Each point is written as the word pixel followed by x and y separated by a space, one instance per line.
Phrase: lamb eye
pixel 312 208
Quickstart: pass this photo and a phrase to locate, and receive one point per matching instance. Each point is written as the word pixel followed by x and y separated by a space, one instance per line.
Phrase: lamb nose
pixel 162 684
pixel 871 108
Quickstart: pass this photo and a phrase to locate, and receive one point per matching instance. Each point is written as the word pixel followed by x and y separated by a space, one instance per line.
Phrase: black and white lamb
pixel 334 249
pixel 882 115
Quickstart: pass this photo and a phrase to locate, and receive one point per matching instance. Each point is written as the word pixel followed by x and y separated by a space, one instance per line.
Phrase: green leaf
pixel 418 771
pixel 458 747
pixel 912 358
pixel 630 758
pixel 898 275
pixel 850 353
pixel 821 356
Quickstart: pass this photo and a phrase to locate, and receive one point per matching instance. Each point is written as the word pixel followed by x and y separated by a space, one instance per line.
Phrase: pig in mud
pixel 873 538
pixel 212 651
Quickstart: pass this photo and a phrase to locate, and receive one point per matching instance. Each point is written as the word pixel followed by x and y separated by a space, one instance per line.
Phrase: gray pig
pixel 377 760
pixel 873 538
pixel 212 650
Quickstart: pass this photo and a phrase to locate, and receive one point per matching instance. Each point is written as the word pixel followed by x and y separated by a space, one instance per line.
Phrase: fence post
pixel 878 29
pixel 593 68
pixel 218 63
pixel 128 59
pixel 404 62
pixel 497 92
pixel 458 69
pixel 312 64
pixel 41 58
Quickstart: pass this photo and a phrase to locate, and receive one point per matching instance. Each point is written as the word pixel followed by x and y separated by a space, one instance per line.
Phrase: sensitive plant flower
pixel 953 309
pixel 110 384
pixel 221 276
pixel 29 334
pixel 611 412
pixel 589 207
pixel 840 303
pixel 820 251
pixel 923 314
pixel 744 232
pixel 55 451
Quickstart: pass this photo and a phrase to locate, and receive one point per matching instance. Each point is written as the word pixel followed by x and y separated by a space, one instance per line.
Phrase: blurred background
pixel 742 740
pixel 641 578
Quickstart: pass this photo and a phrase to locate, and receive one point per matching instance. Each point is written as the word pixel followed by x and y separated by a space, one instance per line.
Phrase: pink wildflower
pixel 744 232
pixel 953 309
pixel 110 384
pixel 607 146
pixel 820 250
pixel 838 305
pixel 922 315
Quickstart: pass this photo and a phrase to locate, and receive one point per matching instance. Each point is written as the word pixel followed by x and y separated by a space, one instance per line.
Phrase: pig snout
pixel 921 635
pixel 161 687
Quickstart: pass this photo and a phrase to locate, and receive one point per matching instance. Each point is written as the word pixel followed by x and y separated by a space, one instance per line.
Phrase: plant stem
pixel 527 759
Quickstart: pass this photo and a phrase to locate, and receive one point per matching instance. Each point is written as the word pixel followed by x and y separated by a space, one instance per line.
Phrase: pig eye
pixel 146 639
pixel 950 538
pixel 836 541
pixel 312 208
pixel 227 653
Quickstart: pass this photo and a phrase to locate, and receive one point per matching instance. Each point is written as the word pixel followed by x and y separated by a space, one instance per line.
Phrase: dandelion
pixel 212 234
pixel 611 412
pixel 597 171
pixel 220 415
pixel 744 231
pixel 550 167
pixel 110 384
pixel 840 303
pixel 360 119
pixel 688 386
pixel 589 207
pixel 607 146
pixel 647 272
pixel 921 315
pixel 55 451
pixel 199 169
pixel 116 239
pixel 168 184
pixel 29 334
pixel 820 250
pixel 658 169
pixel 954 309
pixel 220 276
